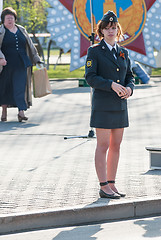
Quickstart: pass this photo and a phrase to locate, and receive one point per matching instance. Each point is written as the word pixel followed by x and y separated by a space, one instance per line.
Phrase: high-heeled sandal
pixel 120 194
pixel 20 118
pixel 106 195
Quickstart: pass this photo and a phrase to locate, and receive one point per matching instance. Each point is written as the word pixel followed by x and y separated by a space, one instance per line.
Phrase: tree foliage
pixel 32 14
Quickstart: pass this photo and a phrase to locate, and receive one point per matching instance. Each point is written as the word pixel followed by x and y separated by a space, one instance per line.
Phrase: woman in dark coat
pixel 17 55
pixel 108 72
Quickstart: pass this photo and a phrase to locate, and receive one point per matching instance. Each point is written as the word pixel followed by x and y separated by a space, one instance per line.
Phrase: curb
pixel 77 79
pixel 63 79
pixel 105 211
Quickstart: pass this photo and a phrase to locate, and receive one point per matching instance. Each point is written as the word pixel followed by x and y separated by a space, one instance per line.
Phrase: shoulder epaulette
pixel 95 45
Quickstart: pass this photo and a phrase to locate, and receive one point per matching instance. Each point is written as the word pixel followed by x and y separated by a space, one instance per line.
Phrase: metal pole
pixel 91 132
pixel 91 11
pixel 92 24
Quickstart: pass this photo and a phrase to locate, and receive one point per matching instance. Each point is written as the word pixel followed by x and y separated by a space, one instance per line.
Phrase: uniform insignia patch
pixel 89 63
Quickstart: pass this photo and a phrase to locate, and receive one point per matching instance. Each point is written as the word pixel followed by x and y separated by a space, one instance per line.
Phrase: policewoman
pixel 108 72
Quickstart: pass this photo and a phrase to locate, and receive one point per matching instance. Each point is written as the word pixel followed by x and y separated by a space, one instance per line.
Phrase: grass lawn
pixel 156 72
pixel 63 71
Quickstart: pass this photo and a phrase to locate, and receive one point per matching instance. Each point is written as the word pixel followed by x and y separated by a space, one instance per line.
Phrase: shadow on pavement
pixel 153 172
pixel 99 202
pixel 152 227
pixel 79 233
pixel 57 157
pixel 9 126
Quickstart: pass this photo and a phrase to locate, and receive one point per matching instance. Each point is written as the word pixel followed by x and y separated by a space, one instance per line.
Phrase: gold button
pixel 118 80
pixel 118 69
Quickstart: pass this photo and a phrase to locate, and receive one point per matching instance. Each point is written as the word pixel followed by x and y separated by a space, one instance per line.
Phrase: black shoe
pixel 106 195
pixel 121 194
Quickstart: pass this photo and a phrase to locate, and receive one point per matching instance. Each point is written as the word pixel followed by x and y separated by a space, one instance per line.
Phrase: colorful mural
pixel 69 22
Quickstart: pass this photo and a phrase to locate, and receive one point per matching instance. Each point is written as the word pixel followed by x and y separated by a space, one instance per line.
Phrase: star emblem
pixel 65 31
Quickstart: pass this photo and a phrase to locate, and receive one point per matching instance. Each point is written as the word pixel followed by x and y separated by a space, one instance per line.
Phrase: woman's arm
pixel 3 62
pixel 129 79
pixel 94 80
pixel 33 51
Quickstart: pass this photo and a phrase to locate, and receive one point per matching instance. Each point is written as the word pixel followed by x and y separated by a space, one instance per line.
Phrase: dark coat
pixel 33 56
pixel 101 70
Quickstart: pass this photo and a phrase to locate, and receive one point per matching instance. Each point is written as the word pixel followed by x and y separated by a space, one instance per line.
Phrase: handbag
pixel 41 84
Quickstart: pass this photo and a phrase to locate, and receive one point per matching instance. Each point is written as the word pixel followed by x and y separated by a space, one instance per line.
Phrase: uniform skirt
pixel 109 119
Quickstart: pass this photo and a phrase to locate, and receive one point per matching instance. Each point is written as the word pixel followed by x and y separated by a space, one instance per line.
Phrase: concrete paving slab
pixel 39 170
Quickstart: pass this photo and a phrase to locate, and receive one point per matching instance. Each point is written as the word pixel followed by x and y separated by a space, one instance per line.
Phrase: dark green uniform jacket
pixel 101 70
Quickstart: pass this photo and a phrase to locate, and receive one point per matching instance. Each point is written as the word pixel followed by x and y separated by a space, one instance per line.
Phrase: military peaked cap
pixel 109 17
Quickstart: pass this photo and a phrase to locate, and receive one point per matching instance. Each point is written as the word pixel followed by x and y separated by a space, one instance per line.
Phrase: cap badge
pixel 111 19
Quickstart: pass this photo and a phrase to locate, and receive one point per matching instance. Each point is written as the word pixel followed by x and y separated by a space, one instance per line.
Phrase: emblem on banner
pixel 69 22
pixel 131 15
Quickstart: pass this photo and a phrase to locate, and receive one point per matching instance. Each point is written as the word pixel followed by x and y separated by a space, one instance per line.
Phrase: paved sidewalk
pixel 39 170
pixel 137 229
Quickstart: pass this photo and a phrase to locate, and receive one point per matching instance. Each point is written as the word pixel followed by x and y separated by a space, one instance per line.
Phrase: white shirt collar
pixel 110 47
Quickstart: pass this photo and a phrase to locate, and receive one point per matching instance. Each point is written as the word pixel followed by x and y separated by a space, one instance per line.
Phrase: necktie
pixel 114 52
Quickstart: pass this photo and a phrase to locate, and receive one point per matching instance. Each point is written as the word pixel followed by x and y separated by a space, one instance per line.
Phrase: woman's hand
pixel 128 93
pixel 3 62
pixel 119 89
pixel 40 64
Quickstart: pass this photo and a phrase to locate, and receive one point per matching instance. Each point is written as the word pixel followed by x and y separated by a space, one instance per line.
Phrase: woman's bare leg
pixel 21 113
pixel 4 112
pixel 113 155
pixel 103 140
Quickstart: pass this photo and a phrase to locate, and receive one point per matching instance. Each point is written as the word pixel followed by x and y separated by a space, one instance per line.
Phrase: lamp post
pixel 91 37
pixel 91 132
pixel 92 24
